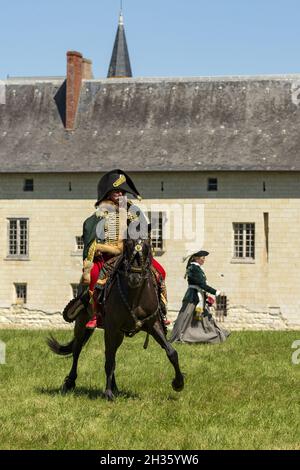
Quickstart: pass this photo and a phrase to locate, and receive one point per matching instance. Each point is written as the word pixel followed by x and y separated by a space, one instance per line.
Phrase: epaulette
pixel 103 209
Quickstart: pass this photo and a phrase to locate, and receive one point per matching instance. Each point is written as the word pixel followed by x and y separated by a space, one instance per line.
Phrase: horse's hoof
pixel 67 386
pixel 109 395
pixel 177 386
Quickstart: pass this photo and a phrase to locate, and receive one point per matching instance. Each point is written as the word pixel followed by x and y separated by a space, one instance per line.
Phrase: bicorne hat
pixel 198 254
pixel 115 180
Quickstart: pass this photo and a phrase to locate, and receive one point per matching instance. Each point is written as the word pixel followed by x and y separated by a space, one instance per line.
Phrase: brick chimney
pixel 74 78
pixel 78 69
pixel 87 72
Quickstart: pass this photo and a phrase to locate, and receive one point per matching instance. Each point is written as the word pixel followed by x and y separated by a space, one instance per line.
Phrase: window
pixel 79 243
pixel 244 240
pixel 266 227
pixel 21 293
pixel 221 308
pixel 74 290
pixel 28 185
pixel 157 224
pixel 18 238
pixel 212 184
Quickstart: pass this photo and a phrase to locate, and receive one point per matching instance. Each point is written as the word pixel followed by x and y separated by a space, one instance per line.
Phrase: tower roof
pixel 120 63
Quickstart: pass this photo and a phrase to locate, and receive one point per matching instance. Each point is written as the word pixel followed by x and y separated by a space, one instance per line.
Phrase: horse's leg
pixel 114 387
pixel 158 334
pixel 112 342
pixel 81 335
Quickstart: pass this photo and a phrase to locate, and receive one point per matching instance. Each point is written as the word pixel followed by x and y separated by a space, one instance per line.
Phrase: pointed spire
pixel 120 63
pixel 121 19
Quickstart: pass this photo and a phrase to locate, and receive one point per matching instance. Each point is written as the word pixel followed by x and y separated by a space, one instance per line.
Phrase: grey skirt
pixel 188 330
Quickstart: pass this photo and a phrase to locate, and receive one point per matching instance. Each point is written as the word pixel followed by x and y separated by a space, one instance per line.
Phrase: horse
pixel 131 304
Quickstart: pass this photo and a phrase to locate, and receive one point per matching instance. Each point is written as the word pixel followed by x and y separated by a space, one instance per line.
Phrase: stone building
pixel 229 145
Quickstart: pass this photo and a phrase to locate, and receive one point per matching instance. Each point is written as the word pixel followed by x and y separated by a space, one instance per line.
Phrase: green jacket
pixel 196 276
pixel 90 225
pixel 89 233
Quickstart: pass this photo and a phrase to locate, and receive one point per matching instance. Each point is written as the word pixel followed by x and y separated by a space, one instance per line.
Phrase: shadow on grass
pixel 173 397
pixel 92 394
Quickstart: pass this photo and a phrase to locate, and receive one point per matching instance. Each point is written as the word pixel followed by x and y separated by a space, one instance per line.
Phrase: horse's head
pixel 137 260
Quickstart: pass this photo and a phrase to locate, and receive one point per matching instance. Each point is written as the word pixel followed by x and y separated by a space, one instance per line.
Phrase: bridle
pixel 143 268
pixel 143 271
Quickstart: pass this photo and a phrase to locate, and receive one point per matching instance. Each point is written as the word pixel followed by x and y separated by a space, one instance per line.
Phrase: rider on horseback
pixel 103 235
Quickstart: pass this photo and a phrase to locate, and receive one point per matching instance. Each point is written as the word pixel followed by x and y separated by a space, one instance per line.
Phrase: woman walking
pixel 194 323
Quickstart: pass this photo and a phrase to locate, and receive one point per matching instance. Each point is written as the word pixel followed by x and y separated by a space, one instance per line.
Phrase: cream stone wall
pixel 56 213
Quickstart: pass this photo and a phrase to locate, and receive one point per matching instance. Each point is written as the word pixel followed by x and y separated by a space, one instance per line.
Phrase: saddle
pixel 104 284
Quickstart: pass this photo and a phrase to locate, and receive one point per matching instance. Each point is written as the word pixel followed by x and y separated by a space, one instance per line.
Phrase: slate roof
pixel 161 124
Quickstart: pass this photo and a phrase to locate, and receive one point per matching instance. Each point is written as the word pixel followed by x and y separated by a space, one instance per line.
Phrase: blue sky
pixel 165 38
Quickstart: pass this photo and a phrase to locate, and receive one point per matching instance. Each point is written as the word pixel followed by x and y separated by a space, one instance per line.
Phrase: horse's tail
pixel 67 349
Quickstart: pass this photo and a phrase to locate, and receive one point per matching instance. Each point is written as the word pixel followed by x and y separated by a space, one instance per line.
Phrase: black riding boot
pixel 163 316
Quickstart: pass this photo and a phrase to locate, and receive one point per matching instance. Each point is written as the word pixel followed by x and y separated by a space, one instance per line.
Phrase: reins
pixel 142 271
pixel 138 322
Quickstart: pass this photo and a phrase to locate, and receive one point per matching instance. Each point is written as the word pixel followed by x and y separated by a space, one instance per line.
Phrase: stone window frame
pixel 243 244
pixel 21 293
pixel 221 306
pixel 77 251
pixel 157 239
pixel 18 239
pixel 79 243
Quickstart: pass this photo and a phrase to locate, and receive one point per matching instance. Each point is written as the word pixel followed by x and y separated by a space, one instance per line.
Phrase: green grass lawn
pixel 243 394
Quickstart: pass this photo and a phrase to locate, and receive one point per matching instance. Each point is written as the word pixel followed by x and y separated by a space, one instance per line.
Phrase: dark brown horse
pixel 131 305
